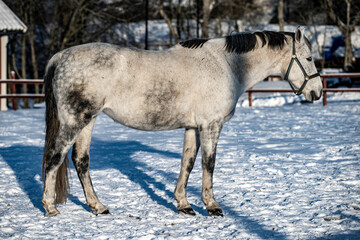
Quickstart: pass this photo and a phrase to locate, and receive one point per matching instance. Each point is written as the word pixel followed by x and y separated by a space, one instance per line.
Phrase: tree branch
pixel 168 21
pixel 355 22
pixel 334 17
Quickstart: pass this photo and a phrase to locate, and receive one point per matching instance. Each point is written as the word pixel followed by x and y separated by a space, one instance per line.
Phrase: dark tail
pixel 62 186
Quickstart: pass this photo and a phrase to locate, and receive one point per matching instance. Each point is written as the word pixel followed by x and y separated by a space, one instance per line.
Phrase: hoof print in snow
pixel 187 211
pixel 131 216
pixel 216 213
pixel 332 218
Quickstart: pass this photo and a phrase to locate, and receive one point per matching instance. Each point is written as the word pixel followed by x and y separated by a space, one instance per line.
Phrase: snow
pixel 289 171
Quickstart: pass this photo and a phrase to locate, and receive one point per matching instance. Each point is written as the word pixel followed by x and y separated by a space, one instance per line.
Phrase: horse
pixel 194 85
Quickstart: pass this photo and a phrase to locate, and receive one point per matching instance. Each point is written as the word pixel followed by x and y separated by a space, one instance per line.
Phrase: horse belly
pixel 148 119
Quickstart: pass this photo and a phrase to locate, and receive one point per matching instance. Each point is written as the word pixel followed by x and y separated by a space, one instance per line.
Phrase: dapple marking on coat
pixel 194 85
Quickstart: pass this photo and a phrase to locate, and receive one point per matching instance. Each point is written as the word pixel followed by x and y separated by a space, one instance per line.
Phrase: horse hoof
pixel 97 212
pixel 106 212
pixel 216 212
pixel 187 211
pixel 52 213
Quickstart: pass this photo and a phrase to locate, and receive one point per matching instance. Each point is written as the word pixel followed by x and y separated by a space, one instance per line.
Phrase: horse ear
pixel 298 34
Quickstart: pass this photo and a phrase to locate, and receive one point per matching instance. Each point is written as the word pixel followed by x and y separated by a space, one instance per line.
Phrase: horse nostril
pixel 314 96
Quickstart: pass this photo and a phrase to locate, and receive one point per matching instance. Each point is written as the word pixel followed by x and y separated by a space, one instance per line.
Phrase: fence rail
pixel 250 92
pixel 22 95
pixel 13 95
pixel 325 89
pixel 22 81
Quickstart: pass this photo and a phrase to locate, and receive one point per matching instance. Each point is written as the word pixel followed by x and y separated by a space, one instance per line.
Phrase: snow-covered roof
pixel 9 22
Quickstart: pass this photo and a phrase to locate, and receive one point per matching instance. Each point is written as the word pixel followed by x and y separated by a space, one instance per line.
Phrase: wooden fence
pixel 325 88
pixel 13 95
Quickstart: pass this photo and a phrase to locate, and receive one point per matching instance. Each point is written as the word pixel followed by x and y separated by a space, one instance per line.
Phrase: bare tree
pixel 228 11
pixel 208 6
pixel 31 36
pixel 23 50
pixel 281 14
pixel 57 24
pixel 74 22
pixel 346 26
pixel 173 32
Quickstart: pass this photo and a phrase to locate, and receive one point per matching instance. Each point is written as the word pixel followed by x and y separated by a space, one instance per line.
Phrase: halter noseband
pixel 307 77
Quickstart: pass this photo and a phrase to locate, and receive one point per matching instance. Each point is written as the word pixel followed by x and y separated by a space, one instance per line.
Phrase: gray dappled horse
pixel 194 85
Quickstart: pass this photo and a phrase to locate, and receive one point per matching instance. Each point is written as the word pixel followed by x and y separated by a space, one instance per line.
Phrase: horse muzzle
pixel 315 96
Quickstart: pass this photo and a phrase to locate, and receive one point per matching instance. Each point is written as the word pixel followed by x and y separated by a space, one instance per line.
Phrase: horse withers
pixel 194 85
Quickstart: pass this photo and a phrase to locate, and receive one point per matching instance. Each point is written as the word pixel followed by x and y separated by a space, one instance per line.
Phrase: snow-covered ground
pixel 290 171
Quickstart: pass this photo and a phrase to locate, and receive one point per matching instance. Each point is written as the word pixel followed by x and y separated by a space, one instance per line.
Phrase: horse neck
pixel 254 66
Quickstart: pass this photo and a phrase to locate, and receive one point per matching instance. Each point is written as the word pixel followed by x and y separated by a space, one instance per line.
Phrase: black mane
pixel 247 41
pixel 193 43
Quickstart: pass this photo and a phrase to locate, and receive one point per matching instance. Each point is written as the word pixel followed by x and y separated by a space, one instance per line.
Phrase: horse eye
pixel 309 59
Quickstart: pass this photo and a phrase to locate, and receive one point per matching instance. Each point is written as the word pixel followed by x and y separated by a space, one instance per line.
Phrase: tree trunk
pixel 173 31
pixel 23 60
pixel 13 59
pixel 178 19
pixel 206 18
pixel 34 62
pixel 346 29
pixel 349 55
pixel 71 27
pixel 348 61
pixel 52 34
pixel 197 18
pixel 281 14
pixel 30 35
pixel 23 67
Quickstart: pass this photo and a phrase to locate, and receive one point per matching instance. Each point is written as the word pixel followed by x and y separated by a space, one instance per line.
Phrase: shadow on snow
pixel 25 161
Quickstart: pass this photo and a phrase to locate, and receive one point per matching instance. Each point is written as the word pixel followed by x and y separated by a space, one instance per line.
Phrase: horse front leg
pixel 81 159
pixel 191 148
pixel 209 135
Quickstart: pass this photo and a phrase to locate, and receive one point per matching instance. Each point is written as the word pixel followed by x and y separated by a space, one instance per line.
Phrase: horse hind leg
pixel 55 181
pixel 60 136
pixel 191 148
pixel 81 159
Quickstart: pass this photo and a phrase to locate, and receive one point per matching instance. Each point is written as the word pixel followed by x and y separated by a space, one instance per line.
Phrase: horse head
pixel 301 72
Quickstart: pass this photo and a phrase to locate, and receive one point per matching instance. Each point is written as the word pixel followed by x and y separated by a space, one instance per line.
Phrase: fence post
pixel 324 92
pixel 13 91
pixel 250 97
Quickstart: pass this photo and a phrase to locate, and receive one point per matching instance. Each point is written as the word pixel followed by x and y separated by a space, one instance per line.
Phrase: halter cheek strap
pixel 306 76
